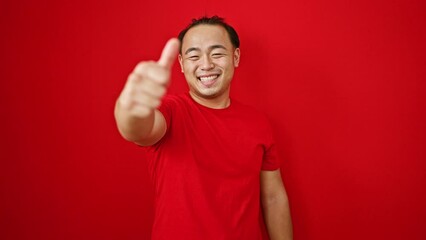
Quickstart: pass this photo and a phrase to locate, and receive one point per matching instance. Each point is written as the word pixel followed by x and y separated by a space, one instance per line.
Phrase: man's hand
pixel 135 111
pixel 147 84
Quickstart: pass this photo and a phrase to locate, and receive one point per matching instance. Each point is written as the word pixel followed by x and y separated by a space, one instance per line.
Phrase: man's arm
pixel 136 114
pixel 275 205
pixel 142 131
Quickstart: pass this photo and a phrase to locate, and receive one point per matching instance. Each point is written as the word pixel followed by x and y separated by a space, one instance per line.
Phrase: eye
pixel 193 58
pixel 218 55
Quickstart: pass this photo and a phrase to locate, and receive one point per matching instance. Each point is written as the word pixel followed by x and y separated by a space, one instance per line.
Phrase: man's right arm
pixel 138 119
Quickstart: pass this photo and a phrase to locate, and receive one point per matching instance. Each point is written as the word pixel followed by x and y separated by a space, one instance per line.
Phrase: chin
pixel 210 93
pixel 207 95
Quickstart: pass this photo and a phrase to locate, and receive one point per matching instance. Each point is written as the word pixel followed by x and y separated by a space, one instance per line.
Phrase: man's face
pixel 208 60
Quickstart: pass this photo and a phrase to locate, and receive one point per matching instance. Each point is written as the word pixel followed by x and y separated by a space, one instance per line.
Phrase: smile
pixel 208 78
pixel 208 81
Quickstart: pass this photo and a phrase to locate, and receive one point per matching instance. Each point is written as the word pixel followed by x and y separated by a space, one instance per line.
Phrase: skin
pixel 136 114
pixel 276 209
pixel 207 53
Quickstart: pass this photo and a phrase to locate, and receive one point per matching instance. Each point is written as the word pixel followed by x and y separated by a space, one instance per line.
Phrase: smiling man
pixel 212 159
pixel 208 62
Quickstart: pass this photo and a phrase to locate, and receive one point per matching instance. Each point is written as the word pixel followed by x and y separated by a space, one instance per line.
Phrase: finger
pixel 170 51
pixel 147 101
pixel 153 71
pixel 152 88
pixel 133 77
pixel 141 111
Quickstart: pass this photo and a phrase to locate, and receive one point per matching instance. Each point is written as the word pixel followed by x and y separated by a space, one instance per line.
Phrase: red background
pixel 343 83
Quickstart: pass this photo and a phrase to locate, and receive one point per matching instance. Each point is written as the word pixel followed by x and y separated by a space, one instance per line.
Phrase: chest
pixel 216 144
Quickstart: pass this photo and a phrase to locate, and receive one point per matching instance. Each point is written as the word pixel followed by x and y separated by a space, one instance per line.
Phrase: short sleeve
pixel 166 109
pixel 270 161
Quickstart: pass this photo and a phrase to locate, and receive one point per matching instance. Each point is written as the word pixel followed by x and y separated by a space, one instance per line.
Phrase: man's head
pixel 208 55
pixel 215 20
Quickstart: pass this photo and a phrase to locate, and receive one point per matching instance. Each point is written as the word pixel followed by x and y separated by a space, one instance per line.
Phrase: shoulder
pixel 174 100
pixel 250 112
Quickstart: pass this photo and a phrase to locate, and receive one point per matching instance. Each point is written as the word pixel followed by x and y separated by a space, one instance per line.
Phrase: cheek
pixel 224 63
pixel 189 66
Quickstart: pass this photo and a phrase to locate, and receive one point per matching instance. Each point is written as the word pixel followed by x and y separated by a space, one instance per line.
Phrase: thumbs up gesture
pixel 147 84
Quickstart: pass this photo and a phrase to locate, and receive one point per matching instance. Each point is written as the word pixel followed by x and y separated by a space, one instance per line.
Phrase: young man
pixel 212 159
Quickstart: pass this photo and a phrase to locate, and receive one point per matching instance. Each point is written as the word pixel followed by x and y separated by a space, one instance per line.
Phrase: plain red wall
pixel 343 83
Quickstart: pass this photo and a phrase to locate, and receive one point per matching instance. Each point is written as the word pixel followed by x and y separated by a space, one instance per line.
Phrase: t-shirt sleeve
pixel 270 161
pixel 166 109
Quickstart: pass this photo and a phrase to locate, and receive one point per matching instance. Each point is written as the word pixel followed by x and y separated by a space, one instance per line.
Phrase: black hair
pixel 215 20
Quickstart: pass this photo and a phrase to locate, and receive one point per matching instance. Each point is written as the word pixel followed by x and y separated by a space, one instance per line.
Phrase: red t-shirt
pixel 206 171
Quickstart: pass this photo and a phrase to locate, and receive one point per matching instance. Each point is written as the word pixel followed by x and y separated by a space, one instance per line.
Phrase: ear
pixel 236 57
pixel 180 62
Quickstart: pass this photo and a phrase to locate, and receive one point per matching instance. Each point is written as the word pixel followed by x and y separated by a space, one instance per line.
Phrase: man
pixel 212 159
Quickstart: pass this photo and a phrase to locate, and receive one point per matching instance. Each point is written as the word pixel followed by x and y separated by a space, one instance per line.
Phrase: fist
pixel 147 84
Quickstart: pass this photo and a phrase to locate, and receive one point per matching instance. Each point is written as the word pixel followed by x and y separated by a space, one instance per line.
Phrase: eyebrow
pixel 210 48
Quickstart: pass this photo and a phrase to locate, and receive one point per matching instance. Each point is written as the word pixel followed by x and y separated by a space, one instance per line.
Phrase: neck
pixel 219 102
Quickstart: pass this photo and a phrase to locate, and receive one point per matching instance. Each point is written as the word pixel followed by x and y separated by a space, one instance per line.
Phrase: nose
pixel 207 63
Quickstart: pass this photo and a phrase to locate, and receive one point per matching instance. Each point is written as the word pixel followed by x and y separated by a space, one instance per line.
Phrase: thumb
pixel 170 51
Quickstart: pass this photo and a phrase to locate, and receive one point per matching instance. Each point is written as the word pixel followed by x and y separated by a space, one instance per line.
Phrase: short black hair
pixel 215 20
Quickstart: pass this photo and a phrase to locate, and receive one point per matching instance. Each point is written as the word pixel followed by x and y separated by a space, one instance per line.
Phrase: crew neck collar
pixel 212 109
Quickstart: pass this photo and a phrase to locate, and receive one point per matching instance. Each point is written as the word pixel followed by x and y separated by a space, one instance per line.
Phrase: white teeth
pixel 209 78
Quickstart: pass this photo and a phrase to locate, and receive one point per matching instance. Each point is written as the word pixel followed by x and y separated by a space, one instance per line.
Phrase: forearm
pixel 136 110
pixel 131 127
pixel 278 218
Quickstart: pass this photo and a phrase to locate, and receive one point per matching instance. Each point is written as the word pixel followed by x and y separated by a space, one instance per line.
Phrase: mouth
pixel 208 80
